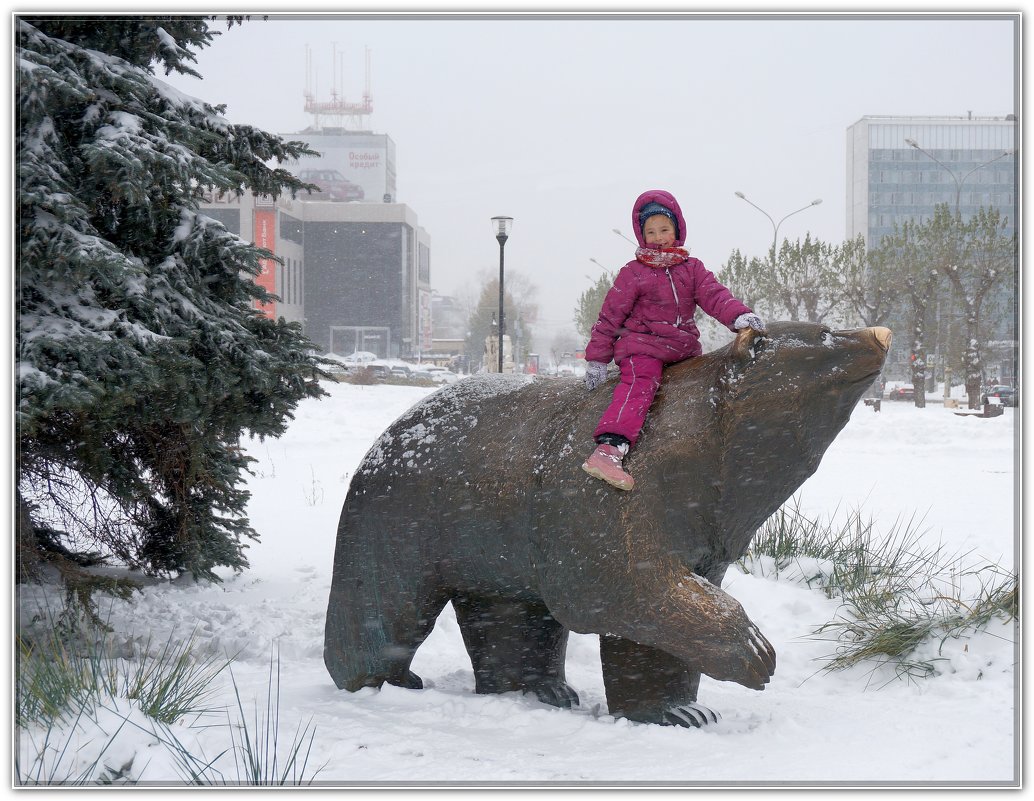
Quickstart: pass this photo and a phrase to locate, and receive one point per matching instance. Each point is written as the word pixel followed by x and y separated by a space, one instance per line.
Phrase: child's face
pixel 659 230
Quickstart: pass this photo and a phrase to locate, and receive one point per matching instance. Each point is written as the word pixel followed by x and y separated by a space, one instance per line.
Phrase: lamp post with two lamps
pixel 501 226
pixel 775 225
pixel 958 181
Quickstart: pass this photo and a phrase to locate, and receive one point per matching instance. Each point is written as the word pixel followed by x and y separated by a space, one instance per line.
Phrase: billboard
pixel 350 167
pixel 265 237
pixel 367 166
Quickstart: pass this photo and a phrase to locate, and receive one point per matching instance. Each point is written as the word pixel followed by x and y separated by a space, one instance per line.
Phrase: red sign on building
pixel 265 237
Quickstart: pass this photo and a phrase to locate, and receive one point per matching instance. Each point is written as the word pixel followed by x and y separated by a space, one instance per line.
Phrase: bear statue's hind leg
pixel 515 645
pixel 651 686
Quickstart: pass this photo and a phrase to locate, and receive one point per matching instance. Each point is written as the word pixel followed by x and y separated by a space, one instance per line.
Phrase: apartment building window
pixel 291 229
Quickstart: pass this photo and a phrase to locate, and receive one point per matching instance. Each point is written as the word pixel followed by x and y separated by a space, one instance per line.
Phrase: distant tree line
pixel 947 260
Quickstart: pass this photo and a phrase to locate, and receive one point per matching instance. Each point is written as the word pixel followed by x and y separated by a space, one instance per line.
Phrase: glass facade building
pixel 889 181
pixel 964 162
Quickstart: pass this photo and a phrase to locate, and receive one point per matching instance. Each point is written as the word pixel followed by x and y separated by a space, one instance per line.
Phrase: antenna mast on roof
pixel 342 113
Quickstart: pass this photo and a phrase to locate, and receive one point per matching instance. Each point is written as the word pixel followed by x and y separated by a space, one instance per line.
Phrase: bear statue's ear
pixel 742 352
pixel 743 347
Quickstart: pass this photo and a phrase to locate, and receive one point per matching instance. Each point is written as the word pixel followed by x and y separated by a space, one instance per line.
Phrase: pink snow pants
pixel 640 379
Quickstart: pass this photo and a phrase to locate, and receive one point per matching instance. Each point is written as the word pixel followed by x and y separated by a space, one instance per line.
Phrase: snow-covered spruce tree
pixel 140 358
pixel 587 310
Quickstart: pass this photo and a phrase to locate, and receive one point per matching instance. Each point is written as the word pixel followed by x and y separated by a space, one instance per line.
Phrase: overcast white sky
pixel 561 123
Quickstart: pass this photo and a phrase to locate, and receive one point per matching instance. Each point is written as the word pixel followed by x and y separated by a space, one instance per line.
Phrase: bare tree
pixel 871 283
pixel 983 255
pixel 913 250
pixel 750 280
pixel 520 308
pixel 973 256
pixel 806 281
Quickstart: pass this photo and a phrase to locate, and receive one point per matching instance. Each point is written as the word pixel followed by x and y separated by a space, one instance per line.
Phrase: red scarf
pixel 663 257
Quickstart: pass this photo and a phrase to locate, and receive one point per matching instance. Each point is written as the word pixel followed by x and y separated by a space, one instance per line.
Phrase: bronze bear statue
pixel 475 496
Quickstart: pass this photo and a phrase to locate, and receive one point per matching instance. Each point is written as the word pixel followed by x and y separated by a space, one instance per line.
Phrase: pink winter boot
pixel 605 463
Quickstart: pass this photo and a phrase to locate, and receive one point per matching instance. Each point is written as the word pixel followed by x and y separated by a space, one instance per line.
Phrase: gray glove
pixel 595 374
pixel 748 321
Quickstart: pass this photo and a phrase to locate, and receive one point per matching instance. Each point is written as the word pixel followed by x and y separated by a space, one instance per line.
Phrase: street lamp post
pixel 958 181
pixel 775 225
pixel 501 226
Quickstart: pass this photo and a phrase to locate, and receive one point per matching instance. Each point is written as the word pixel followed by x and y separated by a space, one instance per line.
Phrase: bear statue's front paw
pixel 553 692
pixel 758 658
pixel 748 658
pixel 691 716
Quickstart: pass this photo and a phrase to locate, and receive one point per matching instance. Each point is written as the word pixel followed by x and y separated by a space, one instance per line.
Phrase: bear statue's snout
pixel 882 336
pixel 865 360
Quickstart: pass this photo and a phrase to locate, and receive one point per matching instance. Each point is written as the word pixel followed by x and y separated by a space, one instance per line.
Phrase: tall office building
pixel 965 160
pixel 900 168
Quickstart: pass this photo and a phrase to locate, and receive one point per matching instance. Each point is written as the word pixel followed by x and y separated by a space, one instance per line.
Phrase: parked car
pixel 379 369
pixel 1006 395
pixel 901 393
pixel 333 185
pixel 358 357
pixel 441 375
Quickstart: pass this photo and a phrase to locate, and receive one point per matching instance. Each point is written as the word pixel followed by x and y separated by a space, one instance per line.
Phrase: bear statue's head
pixel 798 381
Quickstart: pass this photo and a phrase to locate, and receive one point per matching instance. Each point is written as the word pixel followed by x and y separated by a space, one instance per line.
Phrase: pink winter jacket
pixel 649 311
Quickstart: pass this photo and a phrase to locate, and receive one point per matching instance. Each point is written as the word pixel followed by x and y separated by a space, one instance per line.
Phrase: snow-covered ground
pixel 858 727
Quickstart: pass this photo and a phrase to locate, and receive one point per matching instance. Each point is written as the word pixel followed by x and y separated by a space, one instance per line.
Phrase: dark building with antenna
pixel 356 265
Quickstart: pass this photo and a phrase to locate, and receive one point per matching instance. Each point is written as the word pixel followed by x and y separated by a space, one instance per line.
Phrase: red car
pixel 333 185
pixel 901 393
